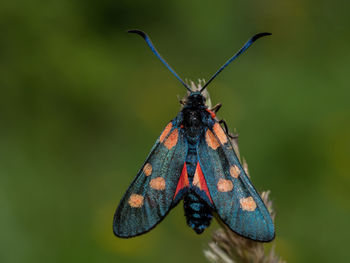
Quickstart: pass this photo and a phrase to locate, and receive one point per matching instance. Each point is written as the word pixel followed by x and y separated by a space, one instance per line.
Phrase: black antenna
pixel 244 48
pixel 154 50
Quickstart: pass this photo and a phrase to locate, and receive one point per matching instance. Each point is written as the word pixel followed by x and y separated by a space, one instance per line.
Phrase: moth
pixel 193 160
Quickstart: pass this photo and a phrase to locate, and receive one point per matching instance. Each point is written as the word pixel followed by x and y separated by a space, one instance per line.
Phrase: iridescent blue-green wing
pixel 235 199
pixel 150 196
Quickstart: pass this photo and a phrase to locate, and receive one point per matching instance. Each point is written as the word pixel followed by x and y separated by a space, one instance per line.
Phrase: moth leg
pixel 216 108
pixel 232 136
pixel 181 101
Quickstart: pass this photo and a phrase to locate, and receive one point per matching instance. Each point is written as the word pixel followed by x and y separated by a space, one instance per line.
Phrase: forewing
pixel 149 197
pixel 235 199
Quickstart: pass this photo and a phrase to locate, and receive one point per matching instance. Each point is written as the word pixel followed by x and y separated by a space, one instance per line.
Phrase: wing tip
pixel 118 233
pixel 271 233
pixel 268 236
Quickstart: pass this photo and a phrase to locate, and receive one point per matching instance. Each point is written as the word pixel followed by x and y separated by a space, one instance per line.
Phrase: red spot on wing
pixel 212 114
pixel 200 182
pixel 165 132
pixel 183 181
pixel 172 139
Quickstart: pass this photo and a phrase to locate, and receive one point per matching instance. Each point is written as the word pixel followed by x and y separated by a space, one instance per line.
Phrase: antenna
pixel 244 48
pixel 154 50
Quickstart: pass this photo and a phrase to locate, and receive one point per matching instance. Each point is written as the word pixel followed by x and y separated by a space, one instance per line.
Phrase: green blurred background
pixel 82 103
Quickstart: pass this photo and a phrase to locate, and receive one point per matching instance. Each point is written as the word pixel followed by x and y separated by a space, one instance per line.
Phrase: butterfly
pixel 194 160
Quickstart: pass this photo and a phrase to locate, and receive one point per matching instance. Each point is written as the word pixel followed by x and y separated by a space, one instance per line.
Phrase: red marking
pixel 219 132
pixel 165 132
pixel 202 184
pixel 212 114
pixel 182 126
pixel 211 140
pixel 183 181
pixel 171 141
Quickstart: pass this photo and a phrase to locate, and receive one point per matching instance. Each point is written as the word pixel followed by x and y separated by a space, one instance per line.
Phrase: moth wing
pixel 235 199
pixel 150 196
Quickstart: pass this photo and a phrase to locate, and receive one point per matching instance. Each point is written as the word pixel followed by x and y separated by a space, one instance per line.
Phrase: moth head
pixel 195 99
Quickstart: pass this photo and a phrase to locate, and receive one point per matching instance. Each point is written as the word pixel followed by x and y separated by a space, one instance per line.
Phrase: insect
pixel 193 160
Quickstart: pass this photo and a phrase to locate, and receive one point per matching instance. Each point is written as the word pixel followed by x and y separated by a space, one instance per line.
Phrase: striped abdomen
pixel 198 214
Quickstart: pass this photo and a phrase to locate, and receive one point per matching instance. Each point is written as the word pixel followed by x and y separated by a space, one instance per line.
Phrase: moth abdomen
pixel 198 214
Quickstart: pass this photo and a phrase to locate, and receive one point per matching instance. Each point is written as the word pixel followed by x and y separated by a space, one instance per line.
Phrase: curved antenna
pixel 244 48
pixel 154 50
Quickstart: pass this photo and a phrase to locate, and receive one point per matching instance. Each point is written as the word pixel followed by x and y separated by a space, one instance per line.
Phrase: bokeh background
pixel 82 103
